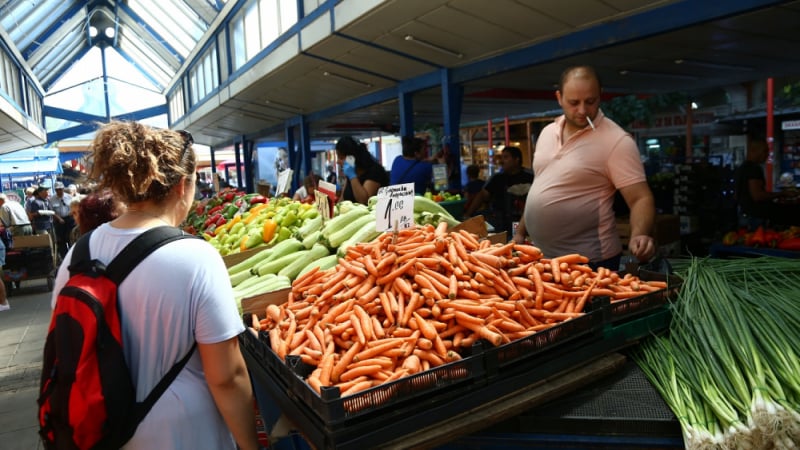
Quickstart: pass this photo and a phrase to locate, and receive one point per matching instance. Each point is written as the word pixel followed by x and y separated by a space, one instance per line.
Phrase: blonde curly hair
pixel 137 162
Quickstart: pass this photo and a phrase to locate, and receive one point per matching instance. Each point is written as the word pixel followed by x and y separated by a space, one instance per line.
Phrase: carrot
pixel 344 361
pixel 365 323
pixel 412 363
pixel 488 259
pixel 430 356
pixel 424 343
pixel 355 388
pixel 378 349
pixel 413 303
pixel 427 329
pixel 582 301
pixel 468 308
pixel 326 367
pixel 395 273
pixel 360 335
pixel 426 283
pixel 403 286
pixel 417 252
pixel 484 332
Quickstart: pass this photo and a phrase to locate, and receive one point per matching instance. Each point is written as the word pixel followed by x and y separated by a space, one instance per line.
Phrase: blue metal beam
pixel 670 17
pixel 144 73
pixel 452 99
pixel 72 116
pixel 357 103
pixel 71 132
pixel 65 67
pixel 157 37
pixel 406 106
pixel 145 113
pixel 52 29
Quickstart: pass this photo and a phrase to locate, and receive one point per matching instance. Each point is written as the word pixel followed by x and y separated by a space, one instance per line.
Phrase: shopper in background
pixel 178 295
pixel 411 166
pixel 4 305
pixel 62 220
pixel 364 175
pixel 42 212
pixel 756 206
pixel 472 188
pixel 505 192
pixel 581 160
pixel 95 209
pixel 29 198
pixel 331 177
pixel 14 217
pixel 305 193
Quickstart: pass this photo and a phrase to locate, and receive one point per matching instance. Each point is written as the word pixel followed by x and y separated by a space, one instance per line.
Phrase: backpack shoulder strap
pixel 81 261
pixel 151 399
pixel 139 248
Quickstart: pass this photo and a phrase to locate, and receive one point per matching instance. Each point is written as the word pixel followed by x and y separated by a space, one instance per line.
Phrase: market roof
pixel 154 35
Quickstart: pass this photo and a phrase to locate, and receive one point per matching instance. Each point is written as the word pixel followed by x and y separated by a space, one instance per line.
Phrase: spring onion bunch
pixel 729 368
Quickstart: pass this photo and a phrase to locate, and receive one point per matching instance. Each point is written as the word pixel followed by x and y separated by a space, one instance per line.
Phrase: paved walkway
pixel 23 329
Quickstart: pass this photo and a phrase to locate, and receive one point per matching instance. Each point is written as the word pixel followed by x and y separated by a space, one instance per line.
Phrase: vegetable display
pixel 415 299
pixel 729 367
pixel 788 239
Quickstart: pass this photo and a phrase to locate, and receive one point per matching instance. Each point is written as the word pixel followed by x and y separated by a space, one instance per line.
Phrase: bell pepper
pixel 730 238
pixel 268 230
pixel 790 244
pixel 212 219
pixel 221 221
pixel 756 238
pixel 258 199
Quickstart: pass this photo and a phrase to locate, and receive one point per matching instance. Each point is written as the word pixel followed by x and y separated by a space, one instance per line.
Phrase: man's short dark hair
pixel 515 152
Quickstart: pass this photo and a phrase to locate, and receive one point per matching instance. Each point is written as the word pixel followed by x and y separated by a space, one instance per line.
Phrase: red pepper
pixel 757 238
pixel 258 199
pixel 211 219
pixel 213 210
pixel 790 244
pixel 730 238
pixel 221 220
pixel 229 196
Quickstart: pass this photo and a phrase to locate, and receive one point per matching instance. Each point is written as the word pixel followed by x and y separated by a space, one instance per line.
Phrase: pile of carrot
pixel 412 300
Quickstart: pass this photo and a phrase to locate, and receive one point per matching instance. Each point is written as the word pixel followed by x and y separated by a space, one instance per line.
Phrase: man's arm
pixel 640 201
pixel 480 198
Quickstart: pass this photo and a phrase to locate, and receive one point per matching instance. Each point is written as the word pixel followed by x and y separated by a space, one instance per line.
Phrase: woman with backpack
pixel 178 295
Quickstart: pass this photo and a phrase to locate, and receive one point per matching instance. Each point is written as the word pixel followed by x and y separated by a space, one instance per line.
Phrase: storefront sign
pixel 439 176
pixel 395 208
pixel 790 125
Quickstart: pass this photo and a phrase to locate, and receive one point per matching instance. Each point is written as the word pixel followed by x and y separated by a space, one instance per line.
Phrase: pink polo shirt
pixel 570 205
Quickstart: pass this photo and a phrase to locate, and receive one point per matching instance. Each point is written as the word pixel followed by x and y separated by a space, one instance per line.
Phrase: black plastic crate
pixel 333 410
pixel 629 308
pixel 586 328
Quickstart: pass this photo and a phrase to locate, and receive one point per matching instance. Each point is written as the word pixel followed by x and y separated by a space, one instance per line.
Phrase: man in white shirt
pixel 14 217
pixel 64 222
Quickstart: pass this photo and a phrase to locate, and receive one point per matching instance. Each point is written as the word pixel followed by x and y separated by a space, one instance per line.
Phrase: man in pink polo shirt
pixel 581 160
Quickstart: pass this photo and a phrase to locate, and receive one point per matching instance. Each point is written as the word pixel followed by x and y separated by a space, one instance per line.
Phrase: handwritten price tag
pixel 395 208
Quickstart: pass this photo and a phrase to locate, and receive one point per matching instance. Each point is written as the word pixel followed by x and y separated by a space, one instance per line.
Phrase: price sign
pixel 395 208
pixel 440 176
pixel 325 198
pixel 284 182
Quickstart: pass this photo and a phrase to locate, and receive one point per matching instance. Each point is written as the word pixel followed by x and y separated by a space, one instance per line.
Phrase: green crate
pixel 655 322
pixel 455 208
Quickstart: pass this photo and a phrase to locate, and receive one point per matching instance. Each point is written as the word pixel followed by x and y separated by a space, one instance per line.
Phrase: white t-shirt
pixel 178 294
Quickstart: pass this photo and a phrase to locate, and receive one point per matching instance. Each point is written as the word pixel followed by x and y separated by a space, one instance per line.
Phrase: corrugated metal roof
pixel 154 35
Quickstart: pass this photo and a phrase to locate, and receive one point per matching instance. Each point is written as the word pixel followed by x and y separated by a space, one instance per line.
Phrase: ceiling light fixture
pixel 110 32
pixel 93 31
pixel 283 106
pixel 345 78
pixel 433 46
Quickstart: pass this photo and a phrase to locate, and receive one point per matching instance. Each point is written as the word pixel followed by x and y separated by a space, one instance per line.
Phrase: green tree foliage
pixel 627 109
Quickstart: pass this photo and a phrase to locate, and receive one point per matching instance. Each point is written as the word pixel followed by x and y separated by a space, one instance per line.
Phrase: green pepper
pixel 284 233
pixel 289 219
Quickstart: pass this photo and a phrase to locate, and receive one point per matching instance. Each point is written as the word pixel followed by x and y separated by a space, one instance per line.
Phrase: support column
pixel 237 154
pixel 248 146
pixel 406 105
pixel 305 152
pixel 452 95
pixel 770 133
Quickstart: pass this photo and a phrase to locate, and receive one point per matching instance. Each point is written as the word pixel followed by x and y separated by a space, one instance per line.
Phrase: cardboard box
pixel 258 304
pixel 498 238
pixel 235 258
pixel 475 225
pixel 37 240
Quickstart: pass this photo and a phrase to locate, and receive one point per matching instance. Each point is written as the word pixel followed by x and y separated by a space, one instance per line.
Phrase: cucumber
pixel 422 203
pixel 239 277
pixel 309 226
pixel 281 249
pixel 269 285
pixel 364 234
pixel 336 239
pixel 250 282
pixel 342 220
pixel 316 252
pixel 312 239
pixel 324 263
pixel 275 265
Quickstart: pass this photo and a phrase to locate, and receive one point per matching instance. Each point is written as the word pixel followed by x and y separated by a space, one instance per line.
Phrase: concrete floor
pixel 23 330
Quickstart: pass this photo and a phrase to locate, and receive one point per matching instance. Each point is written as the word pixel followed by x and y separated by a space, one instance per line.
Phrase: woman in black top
pixel 364 176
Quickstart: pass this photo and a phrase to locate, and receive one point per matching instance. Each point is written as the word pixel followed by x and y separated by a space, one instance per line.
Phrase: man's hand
pixel 643 247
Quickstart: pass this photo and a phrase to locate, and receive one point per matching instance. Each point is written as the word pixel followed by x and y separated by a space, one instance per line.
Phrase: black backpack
pixel 87 399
